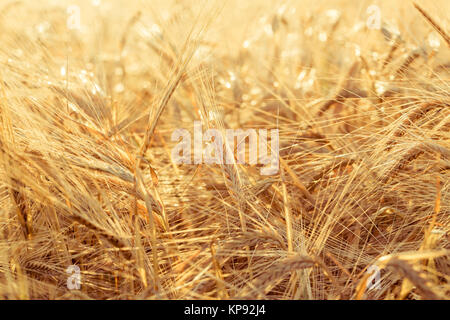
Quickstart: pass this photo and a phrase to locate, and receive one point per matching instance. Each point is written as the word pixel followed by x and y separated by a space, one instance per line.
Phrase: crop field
pixel 285 150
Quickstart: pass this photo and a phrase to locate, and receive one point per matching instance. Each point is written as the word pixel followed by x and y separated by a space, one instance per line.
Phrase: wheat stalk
pixel 433 22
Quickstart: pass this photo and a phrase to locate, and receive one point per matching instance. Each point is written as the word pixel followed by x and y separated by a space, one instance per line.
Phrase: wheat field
pixel 91 92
